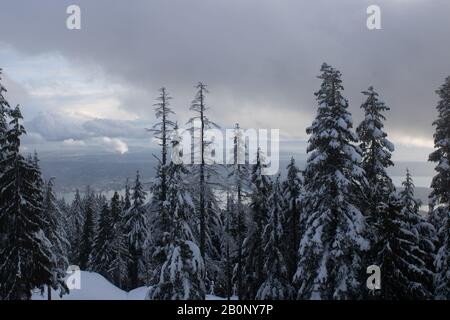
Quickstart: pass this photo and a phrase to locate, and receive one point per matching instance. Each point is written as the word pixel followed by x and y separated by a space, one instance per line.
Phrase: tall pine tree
pixel 292 193
pixel 376 150
pixel 440 194
pixel 25 255
pixel 333 241
pixel 254 243
pixel 56 234
pixel 136 227
pixel 88 232
pixel 277 283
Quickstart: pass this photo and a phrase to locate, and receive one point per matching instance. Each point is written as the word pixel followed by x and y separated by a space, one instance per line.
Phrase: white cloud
pixel 410 141
pixel 74 143
pixel 116 144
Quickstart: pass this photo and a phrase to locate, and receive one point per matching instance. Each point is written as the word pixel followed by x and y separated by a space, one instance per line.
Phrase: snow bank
pixel 96 287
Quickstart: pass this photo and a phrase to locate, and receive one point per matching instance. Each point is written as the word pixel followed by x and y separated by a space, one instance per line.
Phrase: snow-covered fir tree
pixel 25 255
pixel 209 227
pixel 292 193
pixel 56 234
pixel 4 111
pixel 377 151
pixel 201 144
pixel 127 198
pixel 277 283
pixel 182 274
pixel 136 229
pixel 404 274
pixel 120 261
pixel 75 222
pixel 440 194
pixel 333 242
pixel 88 231
pixel 425 236
pixel 159 217
pixel 103 251
pixel 234 221
pixel 253 266
pixel 230 248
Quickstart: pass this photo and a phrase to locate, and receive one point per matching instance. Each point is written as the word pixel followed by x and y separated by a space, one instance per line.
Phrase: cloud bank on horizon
pixel 260 58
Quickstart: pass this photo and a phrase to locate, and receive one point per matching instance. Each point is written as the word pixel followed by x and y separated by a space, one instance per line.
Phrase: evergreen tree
pixel 253 244
pixel 208 231
pixel 277 284
pixel 182 273
pixel 75 222
pixel 4 111
pixel 103 250
pixel 376 150
pixel 57 236
pixel 425 236
pixel 127 199
pixel 442 263
pixel 440 194
pixel 162 132
pixel 231 254
pixel 87 236
pixel 200 171
pixel 136 228
pixel 159 216
pixel 235 220
pixel 119 264
pixel 292 193
pixel 25 255
pixel 333 242
pixel 400 258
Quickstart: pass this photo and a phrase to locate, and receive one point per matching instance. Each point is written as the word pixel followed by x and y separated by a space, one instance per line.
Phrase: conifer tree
pixel 75 222
pixel 56 234
pixel 136 227
pixel 277 284
pixel 182 273
pixel 127 198
pixel 209 227
pixel 376 150
pixel 230 248
pixel 235 221
pixel 25 255
pixel 159 219
pixel 199 107
pixel 103 250
pixel 400 258
pixel 162 132
pixel 87 236
pixel 333 242
pixel 4 111
pixel 425 236
pixel 292 193
pixel 440 194
pixel 120 261
pixel 253 243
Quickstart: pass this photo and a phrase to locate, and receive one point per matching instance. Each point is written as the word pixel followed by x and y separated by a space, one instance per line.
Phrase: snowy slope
pixel 96 287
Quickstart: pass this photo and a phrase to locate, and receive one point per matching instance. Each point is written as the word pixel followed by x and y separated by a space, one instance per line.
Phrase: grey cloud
pixel 116 128
pixel 57 127
pixel 256 52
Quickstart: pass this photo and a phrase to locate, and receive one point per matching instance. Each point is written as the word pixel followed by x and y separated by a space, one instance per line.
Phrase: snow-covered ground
pixel 96 287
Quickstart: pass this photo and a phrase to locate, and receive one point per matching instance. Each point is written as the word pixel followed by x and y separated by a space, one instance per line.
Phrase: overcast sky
pixel 95 87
